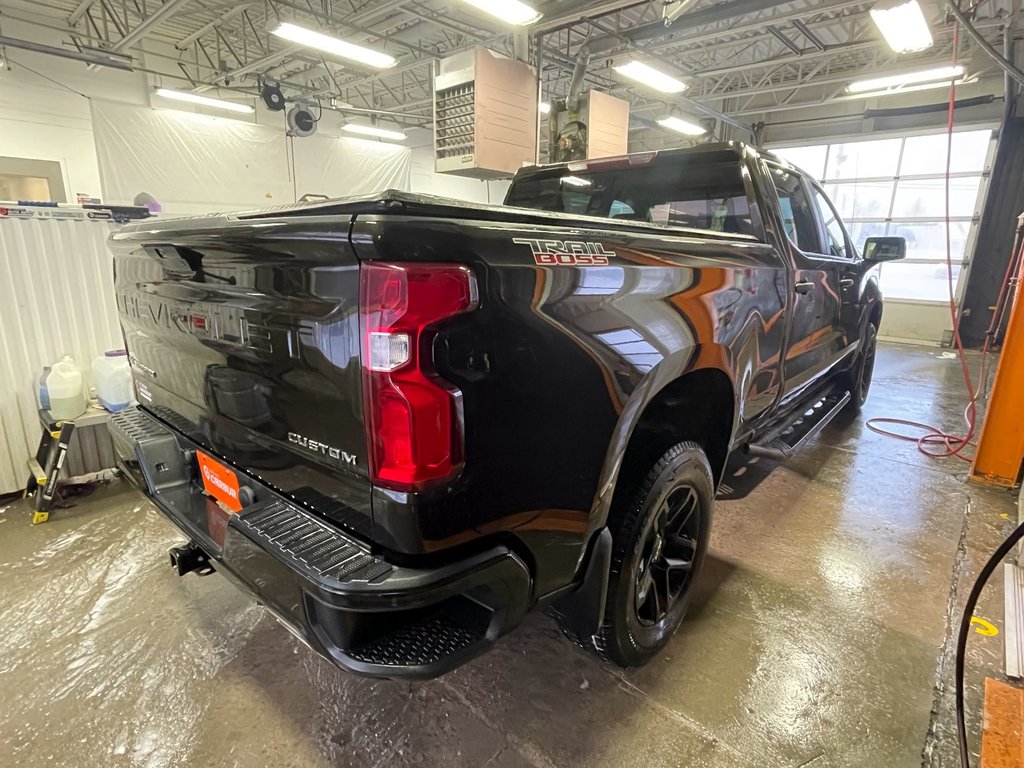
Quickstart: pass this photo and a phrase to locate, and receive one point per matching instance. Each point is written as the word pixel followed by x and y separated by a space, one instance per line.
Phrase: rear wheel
pixel 859 378
pixel 660 543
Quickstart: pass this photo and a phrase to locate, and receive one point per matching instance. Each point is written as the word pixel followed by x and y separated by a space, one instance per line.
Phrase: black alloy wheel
pixel 659 543
pixel 666 565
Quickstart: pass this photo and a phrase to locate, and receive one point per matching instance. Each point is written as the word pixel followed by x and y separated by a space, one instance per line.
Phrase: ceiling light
pixel 936 76
pixel 575 181
pixel 682 126
pixel 372 130
pixel 902 24
pixel 334 45
pixel 205 101
pixel 509 11
pixel 649 76
pixel 545 107
pixel 905 89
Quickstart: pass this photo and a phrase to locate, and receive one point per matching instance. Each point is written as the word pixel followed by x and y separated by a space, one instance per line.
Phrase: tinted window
pixel 797 215
pixel 834 234
pixel 702 191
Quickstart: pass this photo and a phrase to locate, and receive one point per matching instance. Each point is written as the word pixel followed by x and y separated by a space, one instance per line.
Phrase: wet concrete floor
pixel 822 636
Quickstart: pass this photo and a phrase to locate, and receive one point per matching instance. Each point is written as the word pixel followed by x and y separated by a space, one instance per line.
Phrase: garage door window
pixel 896 187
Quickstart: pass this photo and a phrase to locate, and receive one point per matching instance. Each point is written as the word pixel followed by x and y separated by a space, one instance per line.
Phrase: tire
pixel 859 378
pixel 650 586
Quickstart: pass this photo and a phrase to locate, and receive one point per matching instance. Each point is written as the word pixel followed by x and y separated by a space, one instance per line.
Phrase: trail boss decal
pixel 565 252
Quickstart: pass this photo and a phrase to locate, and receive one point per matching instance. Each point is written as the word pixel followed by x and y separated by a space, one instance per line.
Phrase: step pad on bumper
pixel 298 535
pixel 426 642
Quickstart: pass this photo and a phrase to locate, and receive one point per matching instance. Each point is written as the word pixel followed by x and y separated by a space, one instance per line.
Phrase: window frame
pixel 792 170
pixel 853 255
pixel 51 170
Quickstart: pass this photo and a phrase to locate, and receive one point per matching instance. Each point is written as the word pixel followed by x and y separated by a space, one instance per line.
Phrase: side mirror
pixel 885 248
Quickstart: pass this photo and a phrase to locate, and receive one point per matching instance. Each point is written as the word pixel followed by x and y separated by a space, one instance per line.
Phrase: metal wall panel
pixel 56 298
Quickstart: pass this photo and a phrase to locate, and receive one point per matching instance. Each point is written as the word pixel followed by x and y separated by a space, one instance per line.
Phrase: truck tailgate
pixel 244 336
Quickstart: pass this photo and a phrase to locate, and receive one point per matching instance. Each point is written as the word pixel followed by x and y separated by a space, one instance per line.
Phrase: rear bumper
pixel 334 592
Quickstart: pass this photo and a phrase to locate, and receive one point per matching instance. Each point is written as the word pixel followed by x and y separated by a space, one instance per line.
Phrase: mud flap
pixel 582 610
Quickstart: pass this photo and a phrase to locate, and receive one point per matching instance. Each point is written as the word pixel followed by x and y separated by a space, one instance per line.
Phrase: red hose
pixel 949 444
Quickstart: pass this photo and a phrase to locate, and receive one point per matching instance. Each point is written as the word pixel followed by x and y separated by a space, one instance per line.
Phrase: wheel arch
pixel 696 402
pixel 650 424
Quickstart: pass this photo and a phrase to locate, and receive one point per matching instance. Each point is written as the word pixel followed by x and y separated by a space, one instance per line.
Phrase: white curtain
pixel 194 163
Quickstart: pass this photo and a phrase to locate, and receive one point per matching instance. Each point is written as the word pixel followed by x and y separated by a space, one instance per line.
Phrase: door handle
pixel 803 287
pixel 846 282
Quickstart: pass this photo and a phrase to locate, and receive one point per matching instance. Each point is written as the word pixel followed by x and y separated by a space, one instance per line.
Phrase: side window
pixel 834 233
pixel 621 210
pixel 797 215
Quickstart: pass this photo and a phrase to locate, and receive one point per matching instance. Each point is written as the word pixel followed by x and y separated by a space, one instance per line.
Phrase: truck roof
pixel 738 148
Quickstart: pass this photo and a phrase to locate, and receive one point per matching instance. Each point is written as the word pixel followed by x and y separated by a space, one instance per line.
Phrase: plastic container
pixel 112 378
pixel 64 385
pixel 44 393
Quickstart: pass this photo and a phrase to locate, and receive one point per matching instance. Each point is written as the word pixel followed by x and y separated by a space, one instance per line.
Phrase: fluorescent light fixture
pixel 333 45
pixel 372 130
pixel 902 24
pixel 894 83
pixel 682 126
pixel 575 181
pixel 651 77
pixel 545 107
pixel 906 89
pixel 206 101
pixel 509 11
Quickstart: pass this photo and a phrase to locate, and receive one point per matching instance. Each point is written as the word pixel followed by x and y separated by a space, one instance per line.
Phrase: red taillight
pixel 413 417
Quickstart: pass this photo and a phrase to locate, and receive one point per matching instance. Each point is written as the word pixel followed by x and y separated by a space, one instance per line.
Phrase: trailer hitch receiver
pixel 191 558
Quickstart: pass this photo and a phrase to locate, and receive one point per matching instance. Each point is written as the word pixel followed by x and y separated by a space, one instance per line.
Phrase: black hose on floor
pixel 965 628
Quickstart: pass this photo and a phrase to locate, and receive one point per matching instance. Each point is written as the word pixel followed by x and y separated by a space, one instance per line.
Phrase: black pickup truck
pixel 402 422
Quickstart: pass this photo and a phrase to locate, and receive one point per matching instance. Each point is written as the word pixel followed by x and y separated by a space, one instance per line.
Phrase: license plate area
pixel 219 481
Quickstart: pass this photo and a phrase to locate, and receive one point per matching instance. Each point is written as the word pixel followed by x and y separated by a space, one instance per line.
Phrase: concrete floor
pixel 821 636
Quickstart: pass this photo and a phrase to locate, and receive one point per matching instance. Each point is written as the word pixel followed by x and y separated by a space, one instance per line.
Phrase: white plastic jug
pixel 64 384
pixel 112 378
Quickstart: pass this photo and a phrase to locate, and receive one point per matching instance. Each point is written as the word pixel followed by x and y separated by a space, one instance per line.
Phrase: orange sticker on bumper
pixel 219 481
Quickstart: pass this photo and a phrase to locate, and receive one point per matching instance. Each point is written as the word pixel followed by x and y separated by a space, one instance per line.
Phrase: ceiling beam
pixel 713 14
pixel 779 35
pixel 568 18
pixel 79 11
pixel 378 10
pixel 185 42
pixel 812 38
pixel 158 16
pixel 757 25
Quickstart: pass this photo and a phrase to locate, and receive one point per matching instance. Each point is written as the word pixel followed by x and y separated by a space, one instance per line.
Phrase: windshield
pixel 700 191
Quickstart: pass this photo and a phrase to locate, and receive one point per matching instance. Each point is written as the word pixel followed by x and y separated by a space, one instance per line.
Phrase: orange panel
pixel 1002 740
pixel 1001 444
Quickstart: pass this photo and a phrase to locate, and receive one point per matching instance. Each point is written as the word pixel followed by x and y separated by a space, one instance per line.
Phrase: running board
pixel 783 442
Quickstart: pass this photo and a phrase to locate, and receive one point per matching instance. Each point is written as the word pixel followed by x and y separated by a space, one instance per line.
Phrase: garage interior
pixel 825 623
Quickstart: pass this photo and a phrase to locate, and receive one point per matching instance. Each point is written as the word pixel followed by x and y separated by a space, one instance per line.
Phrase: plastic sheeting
pixel 193 163
pixel 347 166
pixel 56 298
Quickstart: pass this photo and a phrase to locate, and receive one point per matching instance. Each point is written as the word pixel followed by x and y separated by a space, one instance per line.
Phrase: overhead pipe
pixel 572 101
pixel 97 57
pixel 686 100
pixel 1007 66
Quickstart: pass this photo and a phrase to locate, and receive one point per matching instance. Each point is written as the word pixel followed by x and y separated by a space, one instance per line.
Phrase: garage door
pixel 895 186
